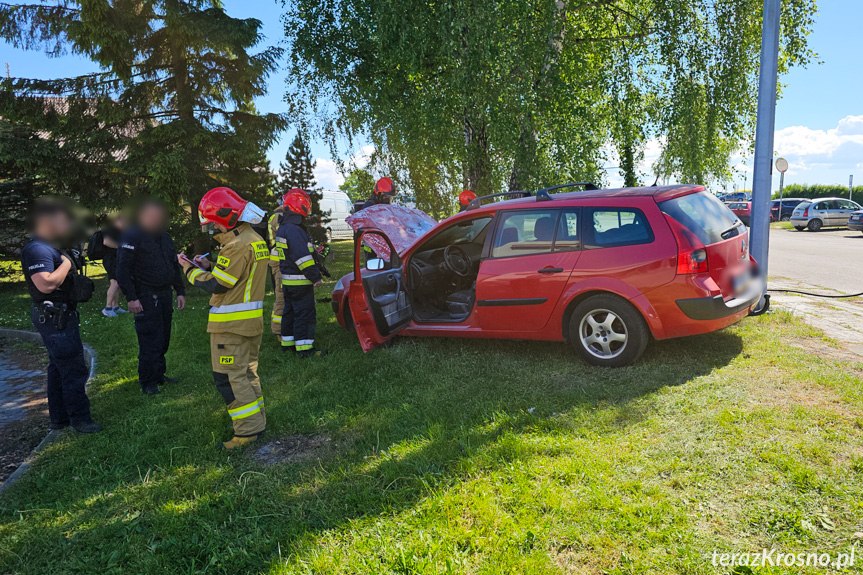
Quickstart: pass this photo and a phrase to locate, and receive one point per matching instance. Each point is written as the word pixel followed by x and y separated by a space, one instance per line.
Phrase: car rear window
pixel 704 215
pixel 614 227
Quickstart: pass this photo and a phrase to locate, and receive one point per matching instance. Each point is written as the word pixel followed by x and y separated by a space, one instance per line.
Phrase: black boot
pixel 91 427
pixel 166 379
pixel 151 389
pixel 312 353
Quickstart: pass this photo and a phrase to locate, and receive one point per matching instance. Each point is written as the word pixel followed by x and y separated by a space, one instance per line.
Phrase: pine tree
pixel 171 112
pixel 298 171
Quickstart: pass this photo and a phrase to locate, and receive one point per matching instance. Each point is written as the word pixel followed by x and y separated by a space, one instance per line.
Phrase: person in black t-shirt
pixel 47 273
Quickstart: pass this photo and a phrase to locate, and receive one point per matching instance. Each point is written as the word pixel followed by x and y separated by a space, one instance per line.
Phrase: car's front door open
pixel 379 300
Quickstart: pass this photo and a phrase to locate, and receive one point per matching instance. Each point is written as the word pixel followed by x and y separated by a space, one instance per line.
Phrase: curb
pixel 34 337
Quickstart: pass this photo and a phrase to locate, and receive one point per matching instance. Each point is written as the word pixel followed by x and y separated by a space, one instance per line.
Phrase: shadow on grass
pixel 150 494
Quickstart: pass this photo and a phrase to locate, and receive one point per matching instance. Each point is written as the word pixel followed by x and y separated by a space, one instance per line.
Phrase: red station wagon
pixel 603 269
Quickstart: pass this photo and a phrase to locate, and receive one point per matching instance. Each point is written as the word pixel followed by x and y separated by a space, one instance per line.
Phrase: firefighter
pixel 147 273
pixel 238 281
pixel 300 276
pixel 279 304
pixel 464 200
pixel 384 192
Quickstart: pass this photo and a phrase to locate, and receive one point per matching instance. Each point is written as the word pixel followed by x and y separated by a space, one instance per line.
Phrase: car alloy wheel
pixel 786 218
pixel 603 334
pixel 815 225
pixel 608 331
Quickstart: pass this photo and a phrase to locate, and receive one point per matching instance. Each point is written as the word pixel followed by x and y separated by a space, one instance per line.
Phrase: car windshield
pixel 802 205
pixel 704 215
pixel 460 233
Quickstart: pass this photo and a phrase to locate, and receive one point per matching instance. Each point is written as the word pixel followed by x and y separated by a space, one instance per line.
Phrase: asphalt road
pixel 831 258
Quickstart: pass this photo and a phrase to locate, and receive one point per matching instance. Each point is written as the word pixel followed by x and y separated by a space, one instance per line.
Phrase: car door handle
pixel 550 270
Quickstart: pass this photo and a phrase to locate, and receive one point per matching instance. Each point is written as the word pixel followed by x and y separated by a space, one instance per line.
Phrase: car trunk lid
pixel 711 240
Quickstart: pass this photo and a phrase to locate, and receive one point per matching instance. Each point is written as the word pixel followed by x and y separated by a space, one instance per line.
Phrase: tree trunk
pixel 478 163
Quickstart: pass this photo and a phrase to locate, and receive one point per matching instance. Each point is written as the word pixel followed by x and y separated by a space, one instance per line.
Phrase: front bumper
pixel 711 308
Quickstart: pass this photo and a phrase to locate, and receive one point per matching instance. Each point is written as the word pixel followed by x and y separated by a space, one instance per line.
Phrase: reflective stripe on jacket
pixel 294 248
pixel 237 280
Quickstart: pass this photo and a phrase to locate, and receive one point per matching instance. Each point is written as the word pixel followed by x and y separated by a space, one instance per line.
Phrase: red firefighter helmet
pixel 221 206
pixel 385 187
pixel 466 197
pixel 298 201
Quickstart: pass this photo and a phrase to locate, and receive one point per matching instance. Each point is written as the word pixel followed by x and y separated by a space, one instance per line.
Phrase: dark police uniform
pixel 67 369
pixel 299 273
pixel 147 270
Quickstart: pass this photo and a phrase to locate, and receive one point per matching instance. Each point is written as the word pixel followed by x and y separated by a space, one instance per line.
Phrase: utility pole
pixel 764 130
pixel 782 167
pixel 850 185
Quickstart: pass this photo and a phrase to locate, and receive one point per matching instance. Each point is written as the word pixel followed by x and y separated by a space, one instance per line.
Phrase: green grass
pixel 451 456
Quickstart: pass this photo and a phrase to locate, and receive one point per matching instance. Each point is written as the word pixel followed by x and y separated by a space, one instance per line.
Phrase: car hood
pixel 403 226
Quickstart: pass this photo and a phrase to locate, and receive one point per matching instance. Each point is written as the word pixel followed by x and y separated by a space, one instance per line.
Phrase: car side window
pixel 613 227
pixel 524 232
pixel 847 205
pixel 567 238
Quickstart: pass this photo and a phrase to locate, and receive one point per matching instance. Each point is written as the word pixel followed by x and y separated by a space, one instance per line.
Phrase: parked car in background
pixel 855 222
pixel 822 213
pixel 741 210
pixel 734 197
pixel 606 270
pixel 337 206
pixel 788 205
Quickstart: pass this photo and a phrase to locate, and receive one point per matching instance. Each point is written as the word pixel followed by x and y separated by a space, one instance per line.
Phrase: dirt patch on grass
pixel 24 417
pixel 294 449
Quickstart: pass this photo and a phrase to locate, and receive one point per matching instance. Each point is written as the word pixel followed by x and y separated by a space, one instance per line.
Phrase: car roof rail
pixel 477 202
pixel 544 195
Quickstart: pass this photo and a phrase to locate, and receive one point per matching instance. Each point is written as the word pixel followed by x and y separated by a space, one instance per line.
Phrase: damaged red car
pixel 605 270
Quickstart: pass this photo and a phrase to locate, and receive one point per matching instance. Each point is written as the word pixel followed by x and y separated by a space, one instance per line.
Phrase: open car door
pixel 380 305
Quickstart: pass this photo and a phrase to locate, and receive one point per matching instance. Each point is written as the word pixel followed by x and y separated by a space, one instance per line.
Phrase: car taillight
pixel 806 212
pixel 691 253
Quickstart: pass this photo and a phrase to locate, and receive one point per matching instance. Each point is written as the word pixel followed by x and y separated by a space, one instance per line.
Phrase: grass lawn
pixel 448 456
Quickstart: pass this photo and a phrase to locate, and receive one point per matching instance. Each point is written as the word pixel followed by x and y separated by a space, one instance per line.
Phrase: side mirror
pixel 375 264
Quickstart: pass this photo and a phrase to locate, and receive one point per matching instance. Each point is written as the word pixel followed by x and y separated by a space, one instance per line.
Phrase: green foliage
pixel 518 94
pixel 298 171
pixel 358 185
pixel 170 114
pixel 820 191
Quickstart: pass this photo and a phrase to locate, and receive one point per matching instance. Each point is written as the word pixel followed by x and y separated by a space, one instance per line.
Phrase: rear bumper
pixel 856 226
pixel 799 221
pixel 713 308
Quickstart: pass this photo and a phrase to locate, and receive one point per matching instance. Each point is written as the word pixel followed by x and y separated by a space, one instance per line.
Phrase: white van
pixel 337 207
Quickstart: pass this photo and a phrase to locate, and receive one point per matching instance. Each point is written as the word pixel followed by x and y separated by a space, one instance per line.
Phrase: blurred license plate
pixel 741 282
pixel 856 218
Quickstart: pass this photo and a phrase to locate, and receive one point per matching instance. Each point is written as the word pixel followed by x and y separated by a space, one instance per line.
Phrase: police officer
pixel 279 305
pixel 238 281
pixel 147 271
pixel 49 277
pixel 464 200
pixel 300 276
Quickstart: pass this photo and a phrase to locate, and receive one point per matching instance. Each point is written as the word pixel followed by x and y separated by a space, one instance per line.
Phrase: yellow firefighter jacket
pixel 237 281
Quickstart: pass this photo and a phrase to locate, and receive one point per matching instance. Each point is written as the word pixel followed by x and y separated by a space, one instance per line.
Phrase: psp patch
pixel 223 261
pixel 226 360
pixel 262 252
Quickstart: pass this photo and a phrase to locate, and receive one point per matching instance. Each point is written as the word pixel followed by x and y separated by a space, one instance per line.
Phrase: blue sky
pixel 819 120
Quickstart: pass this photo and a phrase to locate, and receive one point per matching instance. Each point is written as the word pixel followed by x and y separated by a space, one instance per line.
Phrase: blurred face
pixel 54 227
pixel 153 218
pixel 385 199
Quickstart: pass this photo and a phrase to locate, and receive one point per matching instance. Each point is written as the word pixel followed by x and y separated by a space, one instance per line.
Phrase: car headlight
pixel 340 285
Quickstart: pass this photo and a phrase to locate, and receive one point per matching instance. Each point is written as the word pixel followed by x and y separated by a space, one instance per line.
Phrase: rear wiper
pixel 725 235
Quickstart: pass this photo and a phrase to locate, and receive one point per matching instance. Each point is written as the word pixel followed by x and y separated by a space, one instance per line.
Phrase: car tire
pixel 785 218
pixel 815 225
pixel 799 228
pixel 598 322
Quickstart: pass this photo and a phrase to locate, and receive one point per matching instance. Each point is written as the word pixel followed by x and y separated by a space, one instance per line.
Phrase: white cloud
pixel 327 171
pixel 807 149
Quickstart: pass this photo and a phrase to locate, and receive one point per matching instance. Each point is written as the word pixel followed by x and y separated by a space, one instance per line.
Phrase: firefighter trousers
pixel 279 304
pixel 299 318
pixel 235 373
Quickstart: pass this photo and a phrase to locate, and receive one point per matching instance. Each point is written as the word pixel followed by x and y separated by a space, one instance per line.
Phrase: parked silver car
pixel 823 212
